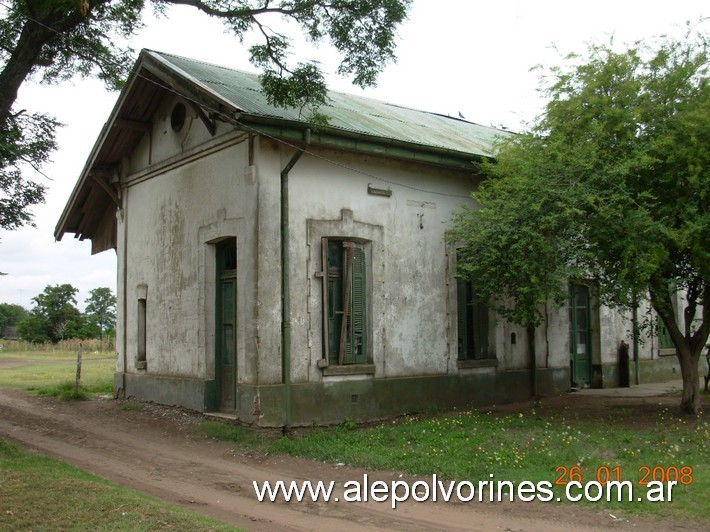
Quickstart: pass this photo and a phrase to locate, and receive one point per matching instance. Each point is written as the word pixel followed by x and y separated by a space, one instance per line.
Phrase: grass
pixel 66 391
pixel 55 374
pixel 237 434
pixel 470 445
pixel 54 355
pixel 40 493
pixel 91 347
pixel 528 446
pixel 130 406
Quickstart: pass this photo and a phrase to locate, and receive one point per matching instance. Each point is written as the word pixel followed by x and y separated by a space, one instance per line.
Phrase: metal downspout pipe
pixel 123 279
pixel 285 285
pixel 635 332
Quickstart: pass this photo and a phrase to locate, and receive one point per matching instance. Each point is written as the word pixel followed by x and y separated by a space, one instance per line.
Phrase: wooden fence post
pixel 78 368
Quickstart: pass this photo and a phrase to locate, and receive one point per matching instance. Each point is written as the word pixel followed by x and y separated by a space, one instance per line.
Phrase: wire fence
pixel 92 345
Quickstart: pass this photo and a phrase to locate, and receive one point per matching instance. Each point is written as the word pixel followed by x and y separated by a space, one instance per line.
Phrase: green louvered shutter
pixel 356 346
pixel 472 321
pixel 664 337
pixel 333 298
pixel 463 309
pixel 480 330
pixel 345 301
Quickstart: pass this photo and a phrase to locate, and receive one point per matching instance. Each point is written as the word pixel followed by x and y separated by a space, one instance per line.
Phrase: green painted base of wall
pixel 606 376
pixel 661 369
pixel 359 400
pixel 368 400
pixel 195 394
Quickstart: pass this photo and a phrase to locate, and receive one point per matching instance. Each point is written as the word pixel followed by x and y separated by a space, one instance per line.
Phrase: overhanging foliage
pixel 55 40
pixel 611 186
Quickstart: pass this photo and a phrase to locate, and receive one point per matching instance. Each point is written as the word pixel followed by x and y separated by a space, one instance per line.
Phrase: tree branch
pixel 244 13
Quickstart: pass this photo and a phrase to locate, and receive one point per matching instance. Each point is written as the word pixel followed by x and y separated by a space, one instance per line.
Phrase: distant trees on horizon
pixel 55 317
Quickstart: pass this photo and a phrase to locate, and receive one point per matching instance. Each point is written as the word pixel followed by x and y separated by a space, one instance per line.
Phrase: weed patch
pixel 66 391
pixel 130 406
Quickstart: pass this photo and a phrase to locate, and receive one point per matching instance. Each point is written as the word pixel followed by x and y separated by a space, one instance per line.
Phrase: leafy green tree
pixel 610 186
pixel 54 316
pixel 10 315
pixel 55 40
pixel 34 328
pixel 100 312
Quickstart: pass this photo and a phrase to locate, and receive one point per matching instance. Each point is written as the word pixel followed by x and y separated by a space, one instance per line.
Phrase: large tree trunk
pixel 690 400
pixel 689 342
pixel 530 329
pixel 24 59
pixel 19 65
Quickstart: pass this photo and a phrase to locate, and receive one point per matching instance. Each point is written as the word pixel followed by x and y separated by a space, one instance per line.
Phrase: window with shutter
pixel 345 301
pixel 664 337
pixel 472 320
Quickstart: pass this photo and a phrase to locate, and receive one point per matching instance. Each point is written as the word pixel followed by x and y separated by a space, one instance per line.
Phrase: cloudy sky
pixel 454 56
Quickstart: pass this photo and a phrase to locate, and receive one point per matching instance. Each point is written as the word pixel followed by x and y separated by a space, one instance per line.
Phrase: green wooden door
pixel 227 326
pixel 580 336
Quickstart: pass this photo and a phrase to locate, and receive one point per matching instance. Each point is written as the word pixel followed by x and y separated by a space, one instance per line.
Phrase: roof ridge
pixel 200 61
pixel 330 91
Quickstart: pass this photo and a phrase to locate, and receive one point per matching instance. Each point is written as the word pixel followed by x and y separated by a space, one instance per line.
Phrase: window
pixel 664 337
pixel 580 337
pixel 141 334
pixel 226 320
pixel 472 318
pixel 177 117
pixel 345 301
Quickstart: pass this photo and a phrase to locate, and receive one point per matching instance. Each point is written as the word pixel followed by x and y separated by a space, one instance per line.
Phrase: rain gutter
pixel 362 143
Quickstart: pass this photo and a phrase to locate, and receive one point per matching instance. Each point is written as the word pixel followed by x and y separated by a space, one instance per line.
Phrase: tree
pixel 54 316
pixel 100 311
pixel 34 328
pixel 55 40
pixel 10 315
pixel 609 186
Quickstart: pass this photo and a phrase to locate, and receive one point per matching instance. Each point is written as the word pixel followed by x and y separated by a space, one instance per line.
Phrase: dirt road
pixel 157 451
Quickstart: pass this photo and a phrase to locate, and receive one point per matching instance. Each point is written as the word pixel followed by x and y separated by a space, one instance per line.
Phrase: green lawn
pixel 40 493
pixel 96 377
pixel 534 447
pixel 55 369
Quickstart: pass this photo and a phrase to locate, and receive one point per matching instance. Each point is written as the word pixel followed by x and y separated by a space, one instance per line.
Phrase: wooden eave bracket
pixel 206 120
pixel 106 188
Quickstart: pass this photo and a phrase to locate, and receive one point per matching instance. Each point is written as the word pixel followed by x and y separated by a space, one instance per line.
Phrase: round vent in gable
pixel 177 117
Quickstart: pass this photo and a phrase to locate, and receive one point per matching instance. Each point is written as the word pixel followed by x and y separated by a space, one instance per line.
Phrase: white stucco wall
pixel 413 289
pixel 183 192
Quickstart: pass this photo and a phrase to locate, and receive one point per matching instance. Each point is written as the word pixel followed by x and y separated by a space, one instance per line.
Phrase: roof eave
pixel 169 74
pixel 359 142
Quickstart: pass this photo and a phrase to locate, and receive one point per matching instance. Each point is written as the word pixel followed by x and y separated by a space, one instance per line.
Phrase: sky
pixel 454 56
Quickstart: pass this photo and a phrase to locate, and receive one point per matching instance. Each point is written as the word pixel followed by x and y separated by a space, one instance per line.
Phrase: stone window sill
pixel 666 352
pixel 354 369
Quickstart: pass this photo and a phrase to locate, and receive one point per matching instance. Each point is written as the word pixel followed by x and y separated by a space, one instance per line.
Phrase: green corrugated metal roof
pixel 345 112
